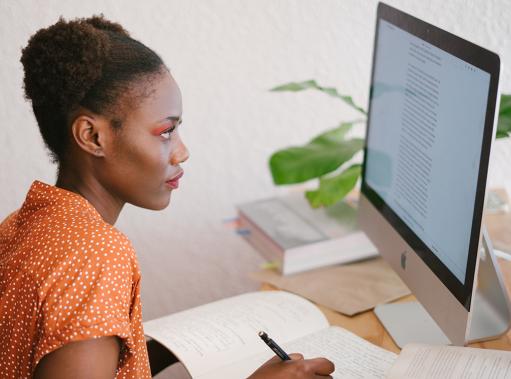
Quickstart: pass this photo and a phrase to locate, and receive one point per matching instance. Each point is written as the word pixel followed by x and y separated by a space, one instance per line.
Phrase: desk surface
pixel 367 325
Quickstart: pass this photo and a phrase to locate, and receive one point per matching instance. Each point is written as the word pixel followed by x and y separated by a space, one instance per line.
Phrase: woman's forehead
pixel 164 100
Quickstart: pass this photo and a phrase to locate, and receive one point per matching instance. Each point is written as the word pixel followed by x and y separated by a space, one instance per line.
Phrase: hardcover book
pixel 296 237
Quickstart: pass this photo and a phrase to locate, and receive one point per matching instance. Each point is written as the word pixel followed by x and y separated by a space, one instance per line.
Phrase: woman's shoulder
pixel 57 233
pixel 90 251
pixel 55 241
pixel 74 221
pixel 89 238
pixel 49 212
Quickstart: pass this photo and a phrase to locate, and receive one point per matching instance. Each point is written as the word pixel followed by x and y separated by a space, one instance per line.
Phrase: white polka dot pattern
pixel 66 275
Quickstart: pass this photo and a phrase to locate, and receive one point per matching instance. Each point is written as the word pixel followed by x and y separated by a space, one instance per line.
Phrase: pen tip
pixel 261 334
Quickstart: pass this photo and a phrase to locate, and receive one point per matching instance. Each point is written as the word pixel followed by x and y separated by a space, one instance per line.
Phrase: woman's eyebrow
pixel 171 118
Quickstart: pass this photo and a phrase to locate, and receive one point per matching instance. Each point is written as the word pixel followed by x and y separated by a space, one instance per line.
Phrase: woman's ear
pixel 87 132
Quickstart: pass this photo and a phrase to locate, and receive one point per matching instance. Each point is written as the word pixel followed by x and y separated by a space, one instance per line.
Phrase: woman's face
pixel 142 159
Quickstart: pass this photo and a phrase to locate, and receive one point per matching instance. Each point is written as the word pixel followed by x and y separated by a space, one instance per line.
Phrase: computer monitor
pixel 431 123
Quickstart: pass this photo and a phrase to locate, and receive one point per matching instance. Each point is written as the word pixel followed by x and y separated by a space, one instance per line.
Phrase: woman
pixel 108 111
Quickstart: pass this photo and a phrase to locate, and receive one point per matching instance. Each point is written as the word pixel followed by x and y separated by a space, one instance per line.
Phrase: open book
pixel 219 340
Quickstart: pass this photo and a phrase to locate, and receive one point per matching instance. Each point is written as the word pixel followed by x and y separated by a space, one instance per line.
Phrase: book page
pixel 354 357
pixel 424 361
pixel 224 332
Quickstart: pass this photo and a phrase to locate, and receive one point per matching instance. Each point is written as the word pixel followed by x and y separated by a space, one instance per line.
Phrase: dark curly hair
pixel 88 62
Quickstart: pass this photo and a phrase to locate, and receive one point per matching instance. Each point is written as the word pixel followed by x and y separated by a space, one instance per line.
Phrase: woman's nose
pixel 180 154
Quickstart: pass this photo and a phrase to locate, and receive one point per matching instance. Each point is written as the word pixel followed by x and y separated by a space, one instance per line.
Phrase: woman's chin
pixel 164 203
pixel 155 204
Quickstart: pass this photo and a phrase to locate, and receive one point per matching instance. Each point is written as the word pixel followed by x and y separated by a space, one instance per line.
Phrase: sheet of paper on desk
pixel 349 289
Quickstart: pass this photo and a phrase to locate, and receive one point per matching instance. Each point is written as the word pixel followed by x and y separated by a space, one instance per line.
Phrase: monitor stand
pixel 491 311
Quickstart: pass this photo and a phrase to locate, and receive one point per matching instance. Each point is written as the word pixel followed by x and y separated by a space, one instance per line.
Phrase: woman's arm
pixel 90 359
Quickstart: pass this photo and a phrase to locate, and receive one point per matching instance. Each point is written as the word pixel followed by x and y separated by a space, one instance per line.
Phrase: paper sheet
pixel 423 362
pixel 349 289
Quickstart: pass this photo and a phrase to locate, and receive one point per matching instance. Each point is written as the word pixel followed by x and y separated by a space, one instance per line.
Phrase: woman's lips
pixel 174 182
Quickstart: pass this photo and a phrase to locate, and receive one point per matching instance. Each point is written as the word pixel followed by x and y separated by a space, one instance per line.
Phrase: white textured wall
pixel 225 54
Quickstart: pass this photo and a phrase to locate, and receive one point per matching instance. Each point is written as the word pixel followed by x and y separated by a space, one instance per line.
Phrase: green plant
pixel 327 156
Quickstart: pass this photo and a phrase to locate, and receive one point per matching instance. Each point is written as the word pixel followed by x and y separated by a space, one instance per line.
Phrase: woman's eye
pixel 167 133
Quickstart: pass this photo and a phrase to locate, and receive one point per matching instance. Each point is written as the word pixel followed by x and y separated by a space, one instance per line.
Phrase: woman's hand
pixel 296 368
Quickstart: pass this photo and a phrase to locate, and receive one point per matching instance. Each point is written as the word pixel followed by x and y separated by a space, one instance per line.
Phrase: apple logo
pixel 403 260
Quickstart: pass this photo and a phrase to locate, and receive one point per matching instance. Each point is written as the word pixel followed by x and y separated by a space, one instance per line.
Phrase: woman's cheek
pixel 165 154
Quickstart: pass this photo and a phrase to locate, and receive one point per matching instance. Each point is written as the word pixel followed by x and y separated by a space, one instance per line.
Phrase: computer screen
pixel 429 134
pixel 424 143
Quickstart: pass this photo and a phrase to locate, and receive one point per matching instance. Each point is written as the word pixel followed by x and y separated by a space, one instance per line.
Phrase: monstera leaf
pixel 322 155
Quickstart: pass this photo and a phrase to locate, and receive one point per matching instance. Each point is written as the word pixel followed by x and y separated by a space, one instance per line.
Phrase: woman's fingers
pixel 321 366
pixel 276 359
pixel 297 367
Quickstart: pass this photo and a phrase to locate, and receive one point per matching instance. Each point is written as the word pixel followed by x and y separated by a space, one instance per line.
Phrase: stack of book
pixel 289 233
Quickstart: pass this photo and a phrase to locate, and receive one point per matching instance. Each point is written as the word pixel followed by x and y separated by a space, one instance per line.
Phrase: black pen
pixel 273 345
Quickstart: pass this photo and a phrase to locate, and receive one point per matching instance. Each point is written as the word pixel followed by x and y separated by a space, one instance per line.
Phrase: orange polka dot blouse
pixel 66 275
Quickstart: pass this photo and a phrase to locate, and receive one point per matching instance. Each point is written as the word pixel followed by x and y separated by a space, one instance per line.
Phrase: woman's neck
pixel 87 186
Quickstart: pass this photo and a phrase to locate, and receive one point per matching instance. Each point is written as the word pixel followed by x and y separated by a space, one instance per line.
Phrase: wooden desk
pixel 367 325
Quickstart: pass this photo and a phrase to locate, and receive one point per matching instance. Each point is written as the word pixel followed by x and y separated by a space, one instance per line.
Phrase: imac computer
pixel 431 123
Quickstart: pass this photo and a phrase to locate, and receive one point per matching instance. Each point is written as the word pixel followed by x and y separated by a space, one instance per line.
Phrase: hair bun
pixel 101 23
pixel 88 63
pixel 62 62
